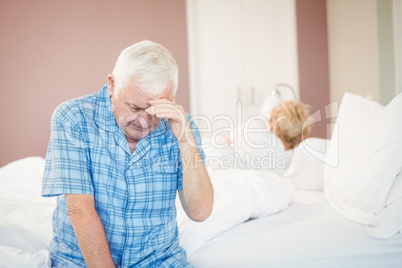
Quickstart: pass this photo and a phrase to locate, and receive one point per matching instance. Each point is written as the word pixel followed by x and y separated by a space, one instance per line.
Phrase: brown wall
pixel 51 51
pixel 312 41
pixel 354 48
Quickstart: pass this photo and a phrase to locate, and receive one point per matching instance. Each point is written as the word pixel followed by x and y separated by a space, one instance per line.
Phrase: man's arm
pixel 89 230
pixel 197 195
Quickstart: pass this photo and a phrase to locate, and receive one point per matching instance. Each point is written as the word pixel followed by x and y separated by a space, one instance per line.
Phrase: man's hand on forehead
pixel 178 122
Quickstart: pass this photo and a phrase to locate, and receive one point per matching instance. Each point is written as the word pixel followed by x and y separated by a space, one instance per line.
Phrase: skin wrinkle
pixel 122 99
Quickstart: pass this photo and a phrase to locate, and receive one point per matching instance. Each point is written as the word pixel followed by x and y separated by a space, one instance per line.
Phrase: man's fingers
pixel 164 108
pixel 159 101
pixel 168 115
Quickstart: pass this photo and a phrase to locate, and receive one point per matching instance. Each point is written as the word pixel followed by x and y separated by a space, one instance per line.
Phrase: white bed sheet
pixel 308 234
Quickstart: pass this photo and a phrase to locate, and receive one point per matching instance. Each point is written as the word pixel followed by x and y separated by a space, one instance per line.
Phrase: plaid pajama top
pixel 134 192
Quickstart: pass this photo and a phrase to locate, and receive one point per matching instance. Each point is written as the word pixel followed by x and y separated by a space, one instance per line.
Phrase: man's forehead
pixel 167 94
pixel 140 99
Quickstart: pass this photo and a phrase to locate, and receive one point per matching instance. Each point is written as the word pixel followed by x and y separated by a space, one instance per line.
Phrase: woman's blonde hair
pixel 291 122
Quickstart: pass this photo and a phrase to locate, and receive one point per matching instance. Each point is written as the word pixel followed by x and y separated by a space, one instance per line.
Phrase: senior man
pixel 116 160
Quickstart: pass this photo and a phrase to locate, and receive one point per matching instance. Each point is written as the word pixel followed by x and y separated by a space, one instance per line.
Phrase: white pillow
pixel 370 153
pixel 355 114
pixel 391 217
pixel 306 168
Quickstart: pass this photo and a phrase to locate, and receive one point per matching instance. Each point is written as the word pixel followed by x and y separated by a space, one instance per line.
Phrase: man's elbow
pixel 201 215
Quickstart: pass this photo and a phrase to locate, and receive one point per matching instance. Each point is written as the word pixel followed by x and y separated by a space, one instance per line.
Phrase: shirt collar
pixel 105 118
pixel 104 115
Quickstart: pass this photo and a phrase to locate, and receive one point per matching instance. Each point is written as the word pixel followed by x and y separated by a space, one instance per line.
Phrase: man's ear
pixel 110 84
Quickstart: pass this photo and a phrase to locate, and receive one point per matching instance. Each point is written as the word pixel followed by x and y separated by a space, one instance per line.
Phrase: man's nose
pixel 145 119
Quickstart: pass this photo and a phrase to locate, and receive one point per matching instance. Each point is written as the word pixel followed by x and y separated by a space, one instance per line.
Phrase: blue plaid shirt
pixel 134 192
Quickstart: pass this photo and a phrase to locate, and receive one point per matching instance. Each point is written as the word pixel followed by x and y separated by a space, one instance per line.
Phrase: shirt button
pixel 128 223
pixel 132 192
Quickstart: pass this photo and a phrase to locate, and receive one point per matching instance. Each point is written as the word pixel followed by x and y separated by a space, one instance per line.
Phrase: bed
pixel 308 234
pixel 338 205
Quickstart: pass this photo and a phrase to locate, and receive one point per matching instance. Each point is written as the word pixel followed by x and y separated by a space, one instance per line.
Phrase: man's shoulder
pixel 191 121
pixel 76 109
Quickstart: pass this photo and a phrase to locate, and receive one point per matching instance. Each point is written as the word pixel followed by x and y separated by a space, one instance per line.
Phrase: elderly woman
pixel 289 122
pixel 267 144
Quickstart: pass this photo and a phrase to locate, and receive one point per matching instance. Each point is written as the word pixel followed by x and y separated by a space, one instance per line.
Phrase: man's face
pixel 129 104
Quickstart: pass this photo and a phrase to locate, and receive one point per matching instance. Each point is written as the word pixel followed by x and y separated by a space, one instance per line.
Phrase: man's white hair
pixel 151 66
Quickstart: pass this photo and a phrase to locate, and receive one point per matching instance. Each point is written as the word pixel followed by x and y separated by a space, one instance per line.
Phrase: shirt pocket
pixel 165 181
pixel 155 189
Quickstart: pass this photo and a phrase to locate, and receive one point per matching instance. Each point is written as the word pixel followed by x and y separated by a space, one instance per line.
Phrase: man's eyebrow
pixel 133 105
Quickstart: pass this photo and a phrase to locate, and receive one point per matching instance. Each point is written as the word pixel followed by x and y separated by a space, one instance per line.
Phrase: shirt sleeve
pixel 197 137
pixel 67 168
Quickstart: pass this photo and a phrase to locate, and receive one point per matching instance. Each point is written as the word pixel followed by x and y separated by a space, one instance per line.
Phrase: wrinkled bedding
pixel 239 195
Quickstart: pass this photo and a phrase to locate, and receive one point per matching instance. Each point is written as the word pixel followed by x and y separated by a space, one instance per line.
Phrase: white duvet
pixel 25 217
pixel 239 195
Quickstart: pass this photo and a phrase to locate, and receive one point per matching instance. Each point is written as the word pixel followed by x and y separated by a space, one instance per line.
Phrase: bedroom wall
pixel 365 48
pixel 353 48
pixel 312 43
pixel 387 57
pixel 397 16
pixel 52 51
